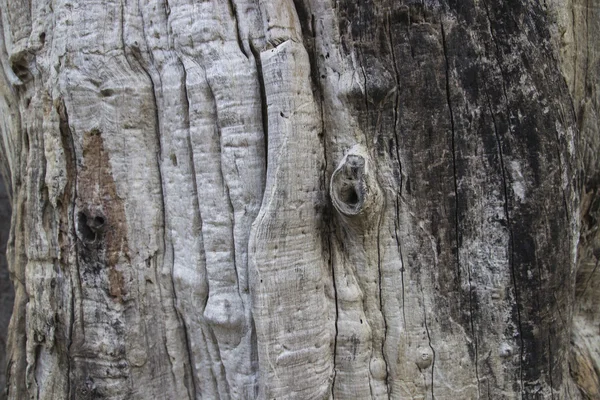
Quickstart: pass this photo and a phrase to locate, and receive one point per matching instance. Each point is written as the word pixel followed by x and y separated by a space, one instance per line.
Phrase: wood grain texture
pixel 304 199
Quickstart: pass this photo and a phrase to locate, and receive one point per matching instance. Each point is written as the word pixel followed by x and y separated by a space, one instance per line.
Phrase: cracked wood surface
pixel 301 199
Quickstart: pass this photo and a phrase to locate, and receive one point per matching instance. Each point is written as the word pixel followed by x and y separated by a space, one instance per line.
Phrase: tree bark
pixel 302 199
pixel 7 293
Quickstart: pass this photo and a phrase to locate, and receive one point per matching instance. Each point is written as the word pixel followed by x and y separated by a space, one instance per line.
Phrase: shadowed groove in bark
pixel 456 209
pixel 511 245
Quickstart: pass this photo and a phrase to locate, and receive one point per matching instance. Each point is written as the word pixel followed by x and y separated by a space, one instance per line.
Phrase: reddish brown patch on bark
pixel 104 210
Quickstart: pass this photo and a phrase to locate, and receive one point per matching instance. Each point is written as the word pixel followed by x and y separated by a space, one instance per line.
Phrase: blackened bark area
pixel 473 98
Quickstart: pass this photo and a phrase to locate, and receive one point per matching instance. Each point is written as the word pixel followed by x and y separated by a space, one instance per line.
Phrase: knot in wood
pixel 353 188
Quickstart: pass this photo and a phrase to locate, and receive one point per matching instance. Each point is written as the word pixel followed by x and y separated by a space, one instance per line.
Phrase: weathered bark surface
pixel 579 26
pixel 302 199
pixel 7 293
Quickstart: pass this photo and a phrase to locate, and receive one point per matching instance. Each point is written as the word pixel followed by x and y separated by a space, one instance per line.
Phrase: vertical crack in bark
pixel 69 145
pixel 453 141
pixel 399 194
pixel 396 101
pixel 429 343
pixel 457 228
pixel 328 219
pixel 511 242
pixel 506 209
pixel 399 246
pixel 238 36
pixel 186 106
pixel 362 67
pixel 186 335
pixel 335 294
pixel 263 104
pixel 385 326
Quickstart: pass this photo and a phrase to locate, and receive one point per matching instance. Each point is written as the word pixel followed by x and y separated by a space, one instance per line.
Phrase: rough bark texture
pixel 302 199
pixel 579 27
pixel 7 293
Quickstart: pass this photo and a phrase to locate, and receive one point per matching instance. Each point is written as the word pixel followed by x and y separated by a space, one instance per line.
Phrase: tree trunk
pixel 309 199
pixel 7 293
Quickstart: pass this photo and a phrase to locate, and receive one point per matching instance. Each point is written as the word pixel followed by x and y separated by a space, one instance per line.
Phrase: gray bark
pixel 302 199
pixel 7 293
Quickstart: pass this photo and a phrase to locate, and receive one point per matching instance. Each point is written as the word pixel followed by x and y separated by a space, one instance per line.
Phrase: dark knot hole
pixel 88 227
pixel 349 196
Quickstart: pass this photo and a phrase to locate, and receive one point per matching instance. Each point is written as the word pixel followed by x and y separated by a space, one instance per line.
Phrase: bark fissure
pixel 69 146
pixel 399 247
pixel 238 36
pixel 511 245
pixel 381 301
pixel 263 103
pixel 430 345
pixel 401 175
pixel 456 208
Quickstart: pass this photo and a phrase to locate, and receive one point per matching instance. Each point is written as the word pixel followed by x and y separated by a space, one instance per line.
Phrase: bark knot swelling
pixel 354 190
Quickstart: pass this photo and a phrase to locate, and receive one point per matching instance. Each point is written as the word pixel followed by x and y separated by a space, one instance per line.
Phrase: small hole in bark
pixel 84 230
pixel 98 222
pixel 42 38
pixel 349 196
pixel 107 92
pixel 21 70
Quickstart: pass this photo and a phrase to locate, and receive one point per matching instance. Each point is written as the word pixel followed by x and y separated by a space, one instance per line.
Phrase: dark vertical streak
pixel 399 246
pixel 429 342
pixel 511 244
pixel 188 345
pixel 69 146
pixel 385 327
pixel 263 103
pixel 336 317
pixel 453 152
pixel 457 229
pixel 399 194
pixel 233 10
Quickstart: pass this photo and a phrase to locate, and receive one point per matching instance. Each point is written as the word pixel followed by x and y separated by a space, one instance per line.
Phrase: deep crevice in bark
pixel 263 104
pixel 456 208
pixel 511 246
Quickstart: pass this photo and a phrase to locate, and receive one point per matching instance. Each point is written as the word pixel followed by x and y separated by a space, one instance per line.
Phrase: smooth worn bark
pixel 302 199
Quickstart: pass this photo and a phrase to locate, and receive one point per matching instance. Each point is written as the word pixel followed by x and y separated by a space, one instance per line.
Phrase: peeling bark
pixel 301 199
